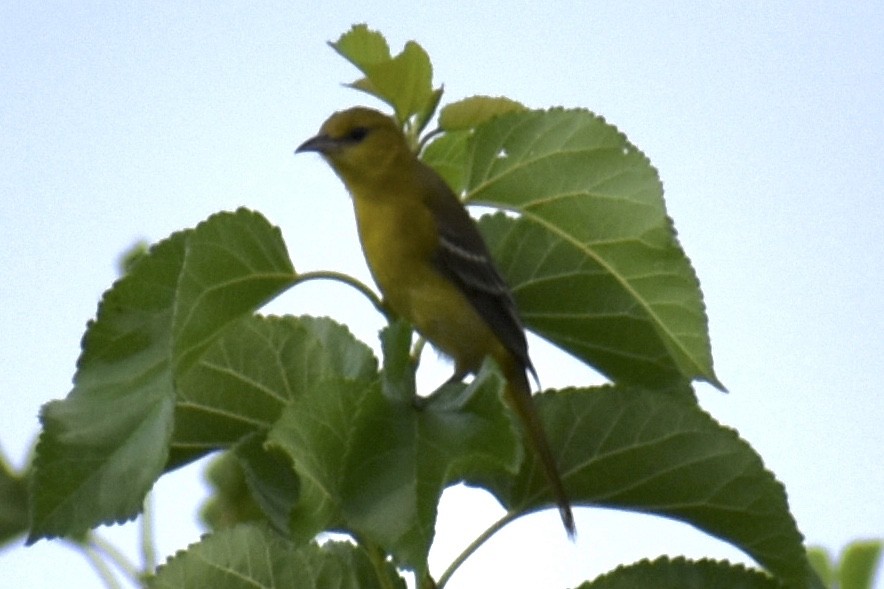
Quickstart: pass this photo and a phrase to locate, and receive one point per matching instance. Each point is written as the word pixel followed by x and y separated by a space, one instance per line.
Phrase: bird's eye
pixel 357 134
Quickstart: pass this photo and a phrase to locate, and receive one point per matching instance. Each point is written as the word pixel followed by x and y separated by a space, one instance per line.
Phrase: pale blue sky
pixel 765 120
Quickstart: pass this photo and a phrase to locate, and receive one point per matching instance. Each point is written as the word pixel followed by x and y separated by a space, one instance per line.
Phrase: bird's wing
pixel 463 258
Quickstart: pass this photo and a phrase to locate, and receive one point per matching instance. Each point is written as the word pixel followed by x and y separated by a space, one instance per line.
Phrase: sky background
pixel 121 122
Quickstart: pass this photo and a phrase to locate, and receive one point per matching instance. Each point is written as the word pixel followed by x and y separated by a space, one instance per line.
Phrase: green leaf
pixel 657 453
pixel 399 367
pixel 679 573
pixel 821 562
pixel 102 447
pixel 129 258
pixel 13 502
pixel 426 113
pixel 259 364
pixel 231 502
pixel 375 466
pixel 404 81
pixel 447 155
pixel 859 563
pixel 254 557
pixel 361 46
pixel 593 260
pixel 471 112
pixel 251 483
pixel 235 262
pixel 271 480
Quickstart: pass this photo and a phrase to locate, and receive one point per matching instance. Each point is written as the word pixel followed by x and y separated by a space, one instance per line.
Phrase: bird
pixel 431 264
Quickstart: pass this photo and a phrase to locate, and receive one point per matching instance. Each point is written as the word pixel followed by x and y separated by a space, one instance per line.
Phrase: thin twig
pixel 148 547
pixel 112 554
pixel 474 545
pixel 101 568
pixel 352 282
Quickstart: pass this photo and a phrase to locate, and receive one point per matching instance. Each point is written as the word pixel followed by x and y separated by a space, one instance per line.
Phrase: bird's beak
pixel 322 144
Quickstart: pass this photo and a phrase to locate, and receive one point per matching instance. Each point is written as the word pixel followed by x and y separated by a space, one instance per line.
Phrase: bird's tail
pixel 518 393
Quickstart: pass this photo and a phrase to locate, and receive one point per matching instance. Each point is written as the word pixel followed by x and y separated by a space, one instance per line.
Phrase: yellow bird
pixel 431 264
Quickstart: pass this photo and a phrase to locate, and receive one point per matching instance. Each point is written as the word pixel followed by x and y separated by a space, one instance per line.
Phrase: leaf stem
pixel 349 281
pixel 378 560
pixel 101 554
pixel 148 548
pixel 100 547
pixel 474 545
pixel 93 555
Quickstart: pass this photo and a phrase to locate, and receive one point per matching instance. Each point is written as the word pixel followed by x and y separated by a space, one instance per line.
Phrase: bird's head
pixel 359 143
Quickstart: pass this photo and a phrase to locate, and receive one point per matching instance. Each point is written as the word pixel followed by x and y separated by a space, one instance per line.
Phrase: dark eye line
pixel 357 134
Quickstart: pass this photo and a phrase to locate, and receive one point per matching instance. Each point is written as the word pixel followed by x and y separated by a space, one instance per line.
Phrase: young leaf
pixel 426 113
pixel 235 262
pixel 679 573
pixel 660 453
pixel 859 562
pixel 593 259
pixel 361 46
pixel 252 556
pixel 376 466
pixel 471 112
pixel 821 562
pixel 102 447
pixel 404 81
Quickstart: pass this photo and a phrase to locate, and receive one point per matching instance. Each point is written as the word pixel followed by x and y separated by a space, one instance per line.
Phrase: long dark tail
pixel 518 393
